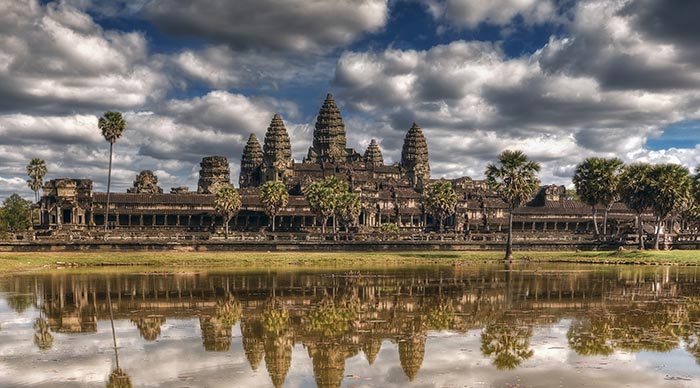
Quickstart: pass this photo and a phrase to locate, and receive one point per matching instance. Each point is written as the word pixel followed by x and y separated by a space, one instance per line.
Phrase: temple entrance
pixel 67 216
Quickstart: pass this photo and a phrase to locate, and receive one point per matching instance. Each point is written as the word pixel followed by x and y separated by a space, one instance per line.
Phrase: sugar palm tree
pixel 227 202
pixel 442 199
pixel 670 184
pixel 636 194
pixel 273 196
pixel 597 182
pixel 515 181
pixel 112 126
pixel 36 170
pixel 324 196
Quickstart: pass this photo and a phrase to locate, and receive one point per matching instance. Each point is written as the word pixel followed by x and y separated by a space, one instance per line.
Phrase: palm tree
pixel 227 202
pixel 323 198
pixel 36 170
pixel 597 182
pixel 273 196
pixel 636 194
pixel 515 181
pixel 112 126
pixel 442 199
pixel 349 208
pixel 670 184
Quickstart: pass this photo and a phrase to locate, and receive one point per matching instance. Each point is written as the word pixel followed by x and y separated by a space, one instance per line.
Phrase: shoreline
pixel 12 262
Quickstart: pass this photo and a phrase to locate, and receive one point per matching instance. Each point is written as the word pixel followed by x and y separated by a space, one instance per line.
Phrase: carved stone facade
pixel 214 173
pixel 277 152
pixel 251 163
pixel 373 155
pixel 146 183
pixel 414 157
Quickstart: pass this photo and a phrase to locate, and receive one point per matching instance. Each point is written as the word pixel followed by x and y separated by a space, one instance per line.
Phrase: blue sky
pixel 560 79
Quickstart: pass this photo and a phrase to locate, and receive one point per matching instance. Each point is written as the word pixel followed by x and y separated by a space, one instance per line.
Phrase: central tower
pixel 329 144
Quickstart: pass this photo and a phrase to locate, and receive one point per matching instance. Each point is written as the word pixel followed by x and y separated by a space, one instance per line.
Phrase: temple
pixel 389 193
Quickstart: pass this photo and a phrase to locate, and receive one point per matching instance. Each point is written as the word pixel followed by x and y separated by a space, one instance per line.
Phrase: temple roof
pixel 373 155
pixel 329 133
pixel 277 150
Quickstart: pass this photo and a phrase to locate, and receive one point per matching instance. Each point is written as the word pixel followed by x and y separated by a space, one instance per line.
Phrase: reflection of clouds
pixel 177 358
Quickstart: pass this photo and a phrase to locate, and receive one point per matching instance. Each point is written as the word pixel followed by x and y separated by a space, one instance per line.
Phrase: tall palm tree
pixel 515 181
pixel 670 184
pixel 597 182
pixel 112 126
pixel 324 197
pixel 36 170
pixel 636 194
pixel 273 196
pixel 442 199
pixel 227 202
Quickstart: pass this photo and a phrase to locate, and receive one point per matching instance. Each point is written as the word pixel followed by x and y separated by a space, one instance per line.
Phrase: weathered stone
pixel 213 174
pixel 180 190
pixel 251 163
pixel 414 157
pixel 329 135
pixel 277 152
pixel 146 183
pixel 373 155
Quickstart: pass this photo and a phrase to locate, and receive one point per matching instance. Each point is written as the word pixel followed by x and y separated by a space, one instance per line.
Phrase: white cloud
pixel 472 13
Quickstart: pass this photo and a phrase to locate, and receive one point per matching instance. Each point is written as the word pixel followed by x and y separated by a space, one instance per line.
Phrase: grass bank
pixel 12 262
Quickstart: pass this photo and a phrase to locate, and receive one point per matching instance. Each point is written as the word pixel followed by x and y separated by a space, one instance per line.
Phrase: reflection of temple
pixel 399 306
pixel 389 193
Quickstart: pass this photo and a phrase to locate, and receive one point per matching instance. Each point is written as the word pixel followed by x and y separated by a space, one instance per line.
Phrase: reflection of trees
pixel 42 337
pixel 440 314
pixel 591 337
pixel 332 318
pixel 509 343
pixel 20 302
pixel 216 328
pixel 149 326
pixel 119 379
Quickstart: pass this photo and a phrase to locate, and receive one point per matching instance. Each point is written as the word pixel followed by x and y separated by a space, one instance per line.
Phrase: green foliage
pixel 508 343
pixel 324 197
pixel 42 336
pixel 441 199
pixel 515 178
pixel 349 208
pixel 112 125
pixel 275 319
pixel 273 196
pixel 597 181
pixel 635 187
pixel 36 170
pixel 670 184
pixel 228 311
pixel 330 319
pixel 14 214
pixel 441 315
pixel 227 203
pixel 119 379
pixel 389 227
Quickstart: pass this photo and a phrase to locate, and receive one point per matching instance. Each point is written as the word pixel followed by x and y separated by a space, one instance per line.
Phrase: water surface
pixel 440 326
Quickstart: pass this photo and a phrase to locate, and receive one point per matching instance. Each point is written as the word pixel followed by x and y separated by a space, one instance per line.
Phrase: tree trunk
pixel 273 222
pixel 509 243
pixel 605 222
pixel 640 232
pixel 658 232
pixel 109 184
pixel 594 211
pixel 227 219
pixel 323 226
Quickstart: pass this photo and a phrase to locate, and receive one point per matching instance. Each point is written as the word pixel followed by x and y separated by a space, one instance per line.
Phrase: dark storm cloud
pixel 298 25
pixel 674 21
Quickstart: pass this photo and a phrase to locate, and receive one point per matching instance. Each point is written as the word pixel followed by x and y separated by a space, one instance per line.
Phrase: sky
pixel 561 80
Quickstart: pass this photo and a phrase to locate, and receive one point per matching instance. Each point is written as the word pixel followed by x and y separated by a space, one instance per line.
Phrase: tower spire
pixel 329 141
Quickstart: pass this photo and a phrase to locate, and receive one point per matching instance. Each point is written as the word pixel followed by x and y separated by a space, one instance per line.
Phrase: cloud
pixel 297 26
pixel 472 13
pixel 54 58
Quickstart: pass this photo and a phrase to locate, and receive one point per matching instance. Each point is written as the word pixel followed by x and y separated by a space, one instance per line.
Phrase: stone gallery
pixel 389 194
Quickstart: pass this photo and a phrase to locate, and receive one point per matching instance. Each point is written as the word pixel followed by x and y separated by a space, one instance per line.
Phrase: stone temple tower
pixel 213 174
pixel 251 163
pixel 373 155
pixel 329 135
pixel 277 152
pixel 414 157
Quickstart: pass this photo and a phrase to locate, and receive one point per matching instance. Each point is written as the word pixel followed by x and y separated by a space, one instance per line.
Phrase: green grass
pixel 12 262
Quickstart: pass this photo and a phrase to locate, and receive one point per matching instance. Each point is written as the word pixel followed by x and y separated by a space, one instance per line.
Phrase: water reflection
pixel 340 316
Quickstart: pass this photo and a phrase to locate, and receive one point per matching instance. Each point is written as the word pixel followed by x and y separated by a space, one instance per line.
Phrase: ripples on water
pixel 488 326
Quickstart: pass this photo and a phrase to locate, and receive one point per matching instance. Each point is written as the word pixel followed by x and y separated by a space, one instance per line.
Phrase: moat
pixel 527 325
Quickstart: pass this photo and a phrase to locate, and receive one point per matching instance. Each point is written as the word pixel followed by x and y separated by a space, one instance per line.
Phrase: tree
pixel 348 209
pixel 14 214
pixel 273 196
pixel 441 199
pixel 36 170
pixel 112 126
pixel 636 194
pixel 508 343
pixel 515 181
pixel 597 182
pixel 669 184
pixel 227 203
pixel 323 198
